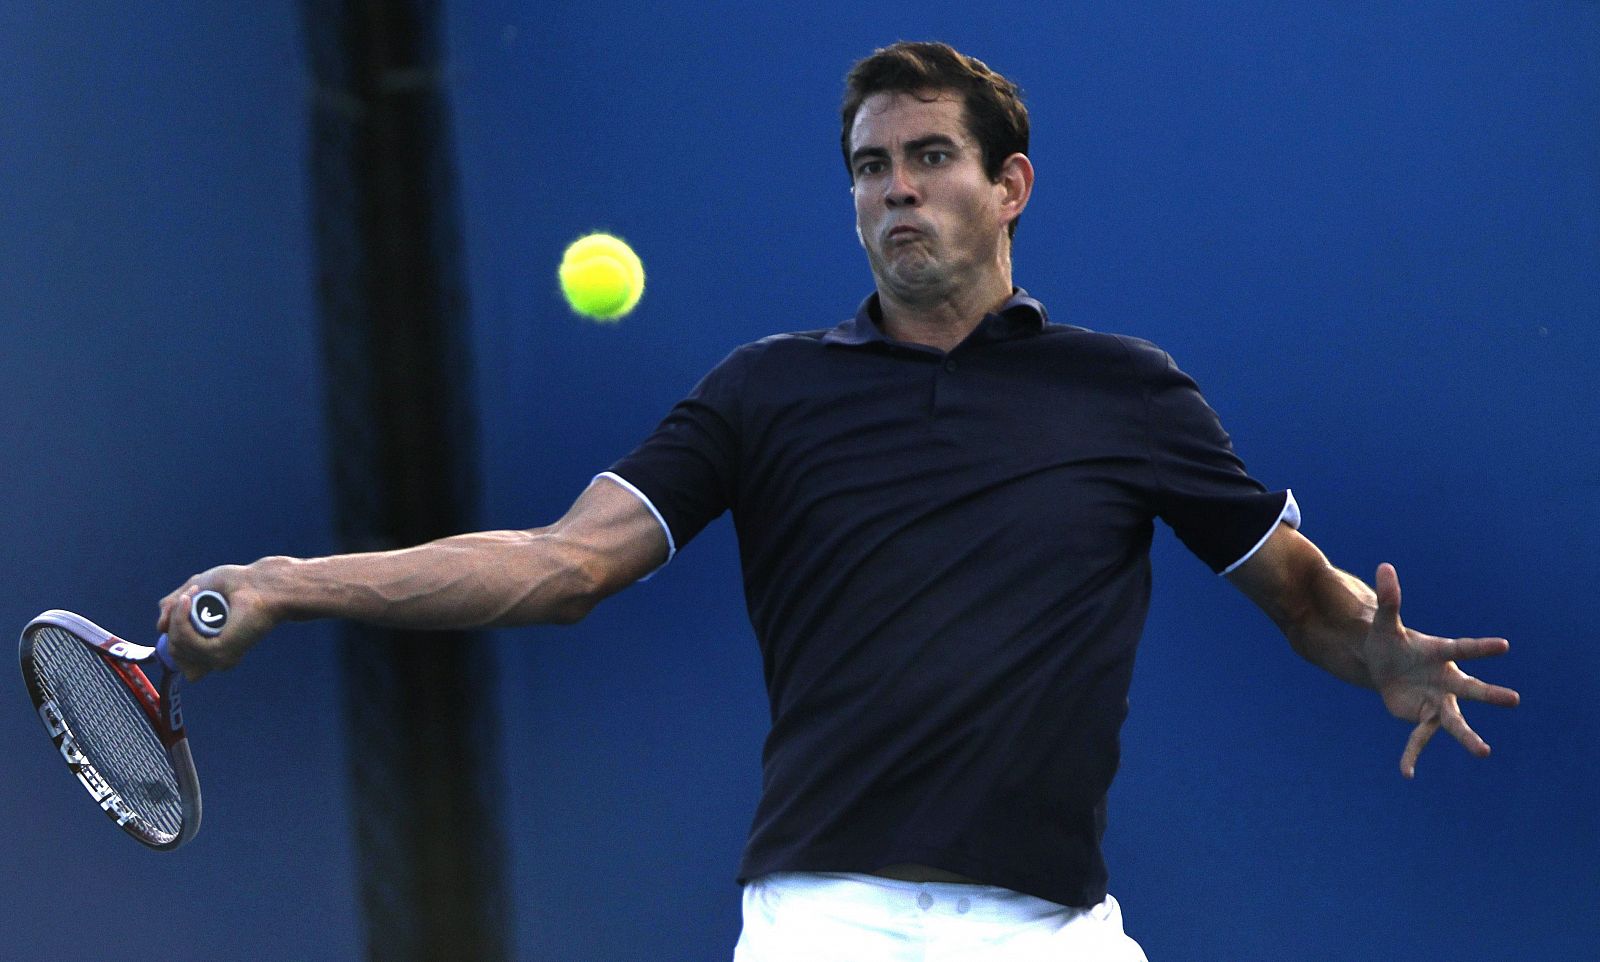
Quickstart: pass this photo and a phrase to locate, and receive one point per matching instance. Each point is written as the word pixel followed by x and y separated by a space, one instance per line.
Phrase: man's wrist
pixel 271 580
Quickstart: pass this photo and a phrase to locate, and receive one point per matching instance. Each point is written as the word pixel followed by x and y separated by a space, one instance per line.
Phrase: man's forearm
pixel 1332 626
pixel 485 579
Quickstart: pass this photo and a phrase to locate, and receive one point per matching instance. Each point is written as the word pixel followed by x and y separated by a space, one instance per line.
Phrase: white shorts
pixel 844 917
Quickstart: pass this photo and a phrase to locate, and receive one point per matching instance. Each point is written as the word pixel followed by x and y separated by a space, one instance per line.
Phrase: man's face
pixel 926 214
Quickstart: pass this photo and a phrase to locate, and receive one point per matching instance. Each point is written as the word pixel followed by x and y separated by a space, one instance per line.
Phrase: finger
pixel 164 621
pixel 1458 649
pixel 1478 690
pixel 181 638
pixel 1414 745
pixel 177 626
pixel 165 605
pixel 1387 583
pixel 1456 724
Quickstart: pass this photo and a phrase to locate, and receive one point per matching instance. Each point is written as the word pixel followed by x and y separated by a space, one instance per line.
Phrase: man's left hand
pixel 1418 678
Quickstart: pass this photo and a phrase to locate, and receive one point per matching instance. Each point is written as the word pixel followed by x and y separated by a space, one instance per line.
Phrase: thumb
pixel 181 637
pixel 1388 588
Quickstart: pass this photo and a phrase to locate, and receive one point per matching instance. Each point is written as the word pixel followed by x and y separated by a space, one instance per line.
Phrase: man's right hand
pixel 249 620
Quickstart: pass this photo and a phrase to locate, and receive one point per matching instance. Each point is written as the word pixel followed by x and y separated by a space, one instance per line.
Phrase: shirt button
pixel 925 900
pixel 963 905
pixel 950 366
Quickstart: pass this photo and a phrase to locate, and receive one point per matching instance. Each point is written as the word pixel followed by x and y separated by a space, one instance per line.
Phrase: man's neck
pixel 945 322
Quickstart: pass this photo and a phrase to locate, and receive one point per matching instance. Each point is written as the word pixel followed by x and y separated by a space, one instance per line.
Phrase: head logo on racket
pixel 209 613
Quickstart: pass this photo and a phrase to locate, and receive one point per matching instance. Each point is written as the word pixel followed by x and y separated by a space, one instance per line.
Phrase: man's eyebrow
pixel 861 153
pixel 912 147
pixel 929 140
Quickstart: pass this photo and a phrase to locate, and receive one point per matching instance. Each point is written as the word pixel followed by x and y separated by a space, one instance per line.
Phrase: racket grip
pixel 164 654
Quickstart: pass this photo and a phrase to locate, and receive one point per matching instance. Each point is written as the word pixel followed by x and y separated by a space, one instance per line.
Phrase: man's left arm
pixel 1345 627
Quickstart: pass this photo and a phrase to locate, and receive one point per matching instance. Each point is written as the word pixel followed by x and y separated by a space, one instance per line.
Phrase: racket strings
pixel 110 727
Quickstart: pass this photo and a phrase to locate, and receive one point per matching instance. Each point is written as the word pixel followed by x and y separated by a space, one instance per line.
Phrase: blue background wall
pixel 1371 232
pixel 161 412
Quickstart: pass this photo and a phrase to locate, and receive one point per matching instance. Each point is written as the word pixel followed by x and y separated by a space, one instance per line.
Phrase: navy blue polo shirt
pixel 946 563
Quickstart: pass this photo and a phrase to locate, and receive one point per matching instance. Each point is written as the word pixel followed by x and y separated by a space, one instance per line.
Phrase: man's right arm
pixel 606 541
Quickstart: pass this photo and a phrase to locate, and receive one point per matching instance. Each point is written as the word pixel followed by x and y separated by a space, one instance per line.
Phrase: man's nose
pixel 900 191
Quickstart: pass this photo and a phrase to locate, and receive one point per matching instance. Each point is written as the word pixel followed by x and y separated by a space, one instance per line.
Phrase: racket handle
pixel 208 613
pixel 164 654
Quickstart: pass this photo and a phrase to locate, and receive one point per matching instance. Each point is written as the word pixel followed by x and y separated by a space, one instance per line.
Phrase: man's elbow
pixel 572 608
pixel 581 573
pixel 578 589
pixel 561 591
pixel 585 582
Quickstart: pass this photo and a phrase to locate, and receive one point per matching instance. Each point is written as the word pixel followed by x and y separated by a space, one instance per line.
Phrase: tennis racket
pixel 122 736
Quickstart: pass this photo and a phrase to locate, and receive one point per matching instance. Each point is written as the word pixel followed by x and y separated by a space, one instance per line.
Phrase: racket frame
pixel 163 707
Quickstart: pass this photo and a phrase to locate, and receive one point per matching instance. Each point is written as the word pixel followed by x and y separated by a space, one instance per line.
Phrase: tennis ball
pixel 601 277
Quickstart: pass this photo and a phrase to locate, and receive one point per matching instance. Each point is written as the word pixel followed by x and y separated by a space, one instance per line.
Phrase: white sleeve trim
pixel 672 547
pixel 1290 515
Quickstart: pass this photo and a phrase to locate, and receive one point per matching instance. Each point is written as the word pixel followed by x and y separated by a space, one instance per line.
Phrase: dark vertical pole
pixel 419 711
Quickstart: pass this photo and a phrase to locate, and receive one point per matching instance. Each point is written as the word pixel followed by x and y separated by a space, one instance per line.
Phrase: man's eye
pixel 870 167
pixel 936 158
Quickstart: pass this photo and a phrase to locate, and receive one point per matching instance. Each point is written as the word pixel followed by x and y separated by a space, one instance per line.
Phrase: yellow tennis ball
pixel 602 277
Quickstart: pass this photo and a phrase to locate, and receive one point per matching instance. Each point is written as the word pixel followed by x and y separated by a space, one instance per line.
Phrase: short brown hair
pixel 995 115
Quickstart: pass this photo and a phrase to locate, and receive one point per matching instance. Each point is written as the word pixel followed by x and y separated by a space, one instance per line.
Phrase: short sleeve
pixel 1202 490
pixel 686 471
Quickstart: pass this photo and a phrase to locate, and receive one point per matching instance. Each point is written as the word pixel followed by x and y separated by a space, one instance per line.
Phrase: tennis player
pixel 944 507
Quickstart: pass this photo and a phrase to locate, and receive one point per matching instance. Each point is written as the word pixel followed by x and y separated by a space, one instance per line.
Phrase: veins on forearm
pixel 466 581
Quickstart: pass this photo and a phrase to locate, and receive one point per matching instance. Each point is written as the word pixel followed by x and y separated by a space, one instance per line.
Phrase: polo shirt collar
pixel 1020 315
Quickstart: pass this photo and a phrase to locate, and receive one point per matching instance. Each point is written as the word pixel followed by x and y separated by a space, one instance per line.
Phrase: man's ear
pixel 1016 177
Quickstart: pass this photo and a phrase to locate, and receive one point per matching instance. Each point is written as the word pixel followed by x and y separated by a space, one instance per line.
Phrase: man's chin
pixel 909 260
pixel 913 280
